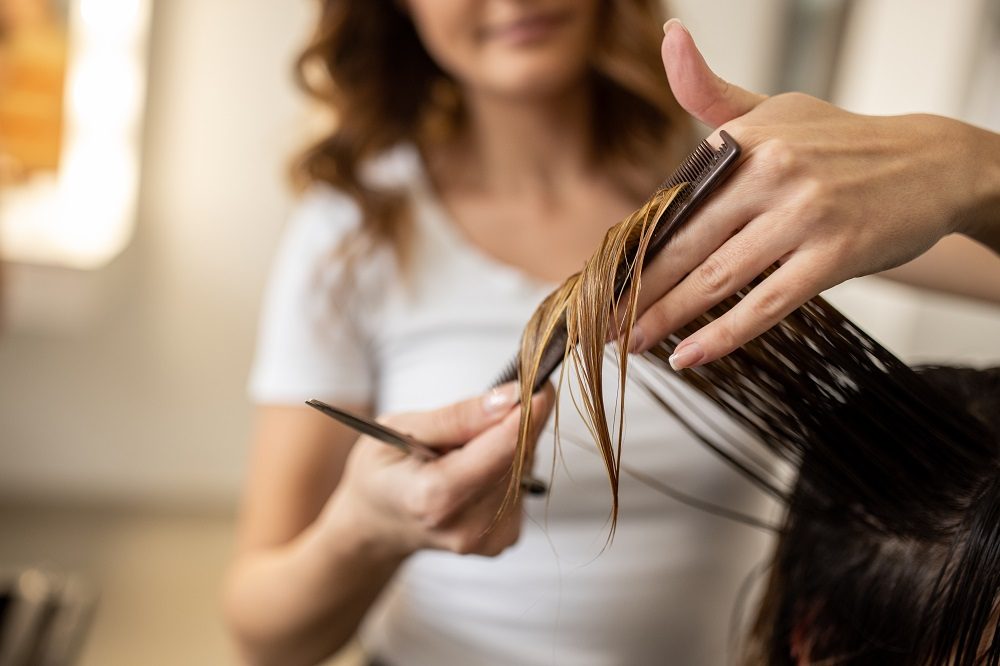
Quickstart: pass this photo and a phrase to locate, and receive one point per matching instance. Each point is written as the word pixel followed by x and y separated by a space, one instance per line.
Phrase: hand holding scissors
pixel 444 487
pixel 406 443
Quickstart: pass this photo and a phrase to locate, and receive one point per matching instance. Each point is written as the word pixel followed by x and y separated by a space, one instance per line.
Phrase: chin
pixel 534 78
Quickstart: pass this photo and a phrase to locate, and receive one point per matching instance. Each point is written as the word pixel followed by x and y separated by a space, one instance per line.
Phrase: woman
pixel 482 150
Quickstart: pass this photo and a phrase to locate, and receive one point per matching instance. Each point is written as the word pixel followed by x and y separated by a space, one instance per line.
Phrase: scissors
pixel 405 443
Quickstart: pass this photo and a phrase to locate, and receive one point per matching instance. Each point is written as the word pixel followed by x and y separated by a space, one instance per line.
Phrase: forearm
pixel 300 602
pixel 966 263
pixel 957 266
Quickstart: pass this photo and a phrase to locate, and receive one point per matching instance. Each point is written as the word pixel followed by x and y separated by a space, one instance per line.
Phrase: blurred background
pixel 138 234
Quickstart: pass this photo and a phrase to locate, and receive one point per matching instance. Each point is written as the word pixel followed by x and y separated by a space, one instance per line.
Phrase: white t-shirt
pixel 663 592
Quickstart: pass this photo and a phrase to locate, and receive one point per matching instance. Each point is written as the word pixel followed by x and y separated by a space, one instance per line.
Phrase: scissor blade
pixel 373 428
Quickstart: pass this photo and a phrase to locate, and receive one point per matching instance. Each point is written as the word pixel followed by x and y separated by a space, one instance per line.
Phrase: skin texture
pixel 829 194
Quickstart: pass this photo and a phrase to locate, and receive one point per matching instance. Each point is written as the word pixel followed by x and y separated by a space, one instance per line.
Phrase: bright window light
pixel 81 214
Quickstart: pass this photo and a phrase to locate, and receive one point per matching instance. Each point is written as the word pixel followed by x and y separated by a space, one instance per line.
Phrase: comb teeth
pixel 509 373
pixel 701 166
pixel 694 167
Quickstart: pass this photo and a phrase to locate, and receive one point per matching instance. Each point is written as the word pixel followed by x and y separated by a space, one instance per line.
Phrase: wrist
pixel 347 532
pixel 980 219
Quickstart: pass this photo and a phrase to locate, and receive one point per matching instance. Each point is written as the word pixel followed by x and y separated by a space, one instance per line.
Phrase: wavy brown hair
pixel 367 65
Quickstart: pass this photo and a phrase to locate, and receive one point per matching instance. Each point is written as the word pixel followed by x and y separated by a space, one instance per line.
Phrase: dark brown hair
pixel 366 64
pixel 890 549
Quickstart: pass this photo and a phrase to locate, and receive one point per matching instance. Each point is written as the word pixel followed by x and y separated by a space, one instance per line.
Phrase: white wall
pixel 741 40
pixel 128 381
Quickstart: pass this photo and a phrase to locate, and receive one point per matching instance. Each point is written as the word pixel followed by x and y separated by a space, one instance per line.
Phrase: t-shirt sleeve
pixel 310 343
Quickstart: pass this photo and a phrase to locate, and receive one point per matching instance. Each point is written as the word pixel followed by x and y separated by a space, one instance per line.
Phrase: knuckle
pixel 815 197
pixel 712 276
pixel 769 306
pixel 431 502
pixel 776 157
pixel 797 98
pixel 785 97
pixel 842 248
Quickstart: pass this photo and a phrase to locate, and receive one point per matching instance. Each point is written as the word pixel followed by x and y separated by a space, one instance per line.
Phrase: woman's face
pixel 512 48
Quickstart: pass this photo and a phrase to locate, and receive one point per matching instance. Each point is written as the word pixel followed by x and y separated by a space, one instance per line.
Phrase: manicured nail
pixel 636 339
pixel 501 398
pixel 686 356
pixel 672 22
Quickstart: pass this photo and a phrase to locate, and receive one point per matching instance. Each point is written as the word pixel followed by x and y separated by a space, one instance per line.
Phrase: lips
pixel 528 29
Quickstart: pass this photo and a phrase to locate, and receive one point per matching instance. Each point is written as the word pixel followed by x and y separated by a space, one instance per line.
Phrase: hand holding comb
pixel 700 173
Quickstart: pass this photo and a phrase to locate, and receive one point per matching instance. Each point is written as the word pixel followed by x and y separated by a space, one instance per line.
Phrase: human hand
pixel 398 503
pixel 829 195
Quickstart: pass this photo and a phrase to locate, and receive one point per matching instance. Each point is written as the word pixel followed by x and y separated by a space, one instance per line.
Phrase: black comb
pixel 702 170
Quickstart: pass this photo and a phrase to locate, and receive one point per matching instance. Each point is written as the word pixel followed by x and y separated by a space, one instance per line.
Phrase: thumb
pixel 487 459
pixel 459 422
pixel 697 88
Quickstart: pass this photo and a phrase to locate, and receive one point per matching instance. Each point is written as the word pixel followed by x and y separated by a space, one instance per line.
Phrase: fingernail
pixel 672 22
pixel 686 356
pixel 636 339
pixel 501 398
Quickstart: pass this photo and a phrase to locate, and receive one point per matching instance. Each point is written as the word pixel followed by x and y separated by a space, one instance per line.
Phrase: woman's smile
pixel 527 30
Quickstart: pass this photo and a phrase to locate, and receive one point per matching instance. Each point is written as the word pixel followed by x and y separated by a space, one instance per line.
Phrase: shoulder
pixel 322 249
pixel 324 215
pixel 399 167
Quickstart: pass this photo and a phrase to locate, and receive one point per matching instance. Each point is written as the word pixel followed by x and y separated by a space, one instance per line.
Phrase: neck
pixel 528 146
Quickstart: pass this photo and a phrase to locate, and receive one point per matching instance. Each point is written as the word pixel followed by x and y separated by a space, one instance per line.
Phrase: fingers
pixel 486 460
pixel 721 274
pixel 459 422
pixel 767 304
pixel 735 203
pixel 457 498
pixel 697 88
pixel 453 501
